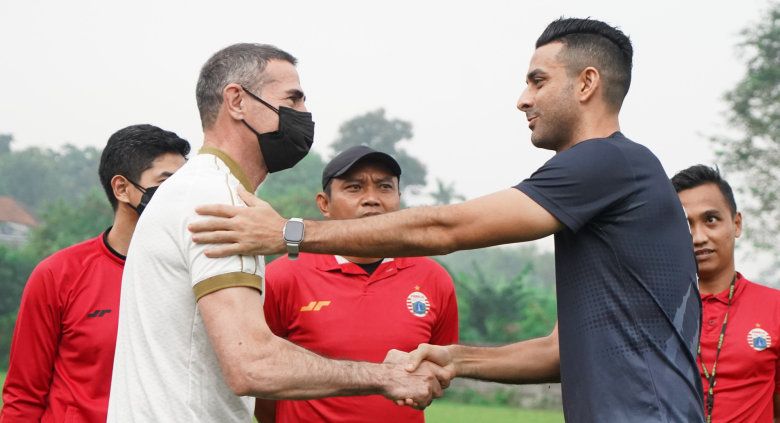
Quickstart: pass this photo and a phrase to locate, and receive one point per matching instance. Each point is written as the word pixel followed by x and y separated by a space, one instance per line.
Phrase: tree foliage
pixel 15 267
pixel 36 177
pixel 5 143
pixel 754 111
pixel 291 192
pixel 382 134
pixel 498 310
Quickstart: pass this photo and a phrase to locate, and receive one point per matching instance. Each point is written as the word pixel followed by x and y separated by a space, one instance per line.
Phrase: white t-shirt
pixel 165 369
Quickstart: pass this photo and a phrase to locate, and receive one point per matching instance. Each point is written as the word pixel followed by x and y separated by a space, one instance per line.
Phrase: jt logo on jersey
pixel 315 305
pixel 98 313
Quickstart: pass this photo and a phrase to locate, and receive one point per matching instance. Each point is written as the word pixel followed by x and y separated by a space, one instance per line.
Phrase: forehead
pixel 368 168
pixel 168 160
pixel 164 165
pixel 546 57
pixel 702 198
pixel 280 75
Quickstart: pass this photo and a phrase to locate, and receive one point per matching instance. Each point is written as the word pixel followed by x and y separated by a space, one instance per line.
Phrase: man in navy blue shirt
pixel 628 305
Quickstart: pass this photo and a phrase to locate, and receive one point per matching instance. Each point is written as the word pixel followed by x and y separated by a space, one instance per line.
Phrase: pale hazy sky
pixel 75 71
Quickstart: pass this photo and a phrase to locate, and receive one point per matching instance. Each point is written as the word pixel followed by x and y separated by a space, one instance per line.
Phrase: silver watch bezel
pixel 293 245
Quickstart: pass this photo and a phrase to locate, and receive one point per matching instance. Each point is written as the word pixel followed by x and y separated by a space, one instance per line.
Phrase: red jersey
pixel 747 372
pixel 62 351
pixel 331 306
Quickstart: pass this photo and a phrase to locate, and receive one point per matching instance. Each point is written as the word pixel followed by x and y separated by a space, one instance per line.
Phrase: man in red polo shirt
pixel 62 350
pixel 357 308
pixel 740 337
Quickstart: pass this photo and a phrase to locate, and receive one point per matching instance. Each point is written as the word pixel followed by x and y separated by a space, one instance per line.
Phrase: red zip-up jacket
pixel 63 345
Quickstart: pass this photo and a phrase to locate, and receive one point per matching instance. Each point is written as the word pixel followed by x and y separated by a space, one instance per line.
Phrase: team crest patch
pixel 759 339
pixel 418 304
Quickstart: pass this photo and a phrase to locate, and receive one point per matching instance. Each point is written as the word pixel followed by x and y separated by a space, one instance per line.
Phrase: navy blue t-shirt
pixel 628 305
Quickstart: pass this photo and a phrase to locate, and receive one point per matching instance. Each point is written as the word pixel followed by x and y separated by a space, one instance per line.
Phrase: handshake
pixel 416 378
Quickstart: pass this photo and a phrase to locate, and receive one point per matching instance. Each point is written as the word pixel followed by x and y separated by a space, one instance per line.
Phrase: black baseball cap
pixel 344 161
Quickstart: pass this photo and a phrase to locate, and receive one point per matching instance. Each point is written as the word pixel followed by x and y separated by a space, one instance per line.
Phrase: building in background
pixel 15 222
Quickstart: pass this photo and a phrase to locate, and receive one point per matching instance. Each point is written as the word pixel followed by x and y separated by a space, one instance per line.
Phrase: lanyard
pixel 711 377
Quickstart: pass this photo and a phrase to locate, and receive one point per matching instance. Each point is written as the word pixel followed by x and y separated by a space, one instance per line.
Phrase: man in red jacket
pixel 63 344
pixel 357 308
pixel 739 355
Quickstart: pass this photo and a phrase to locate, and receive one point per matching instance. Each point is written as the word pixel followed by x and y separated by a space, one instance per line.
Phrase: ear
pixel 588 83
pixel 232 100
pixel 323 203
pixel 738 224
pixel 120 185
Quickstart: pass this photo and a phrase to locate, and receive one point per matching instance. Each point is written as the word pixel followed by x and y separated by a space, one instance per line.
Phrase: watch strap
pixel 293 248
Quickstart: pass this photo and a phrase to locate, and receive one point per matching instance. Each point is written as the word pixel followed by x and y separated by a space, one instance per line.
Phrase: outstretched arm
pixel 255 362
pixel 532 361
pixel 503 217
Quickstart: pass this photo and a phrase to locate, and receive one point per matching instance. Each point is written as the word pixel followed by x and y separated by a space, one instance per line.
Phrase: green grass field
pixel 450 412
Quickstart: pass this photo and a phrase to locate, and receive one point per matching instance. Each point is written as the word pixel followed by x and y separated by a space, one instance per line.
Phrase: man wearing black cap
pixel 357 308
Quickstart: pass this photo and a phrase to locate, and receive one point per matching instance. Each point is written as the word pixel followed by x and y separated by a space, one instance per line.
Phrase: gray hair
pixel 242 64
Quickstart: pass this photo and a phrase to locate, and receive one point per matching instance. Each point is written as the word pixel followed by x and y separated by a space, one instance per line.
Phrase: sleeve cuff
pixel 570 222
pixel 227 280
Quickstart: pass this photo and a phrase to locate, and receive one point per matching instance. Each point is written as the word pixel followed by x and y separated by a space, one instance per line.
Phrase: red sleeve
pixel 33 348
pixel 445 330
pixel 276 276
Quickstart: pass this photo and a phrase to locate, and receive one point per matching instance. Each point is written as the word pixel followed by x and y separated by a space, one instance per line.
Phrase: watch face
pixel 293 231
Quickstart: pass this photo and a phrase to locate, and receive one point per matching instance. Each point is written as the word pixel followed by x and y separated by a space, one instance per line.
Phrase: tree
pixel 5 143
pixel 382 134
pixel 37 176
pixel 494 309
pixel 754 110
pixel 15 267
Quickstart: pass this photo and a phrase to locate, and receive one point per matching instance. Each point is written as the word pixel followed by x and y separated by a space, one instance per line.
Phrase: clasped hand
pixel 421 378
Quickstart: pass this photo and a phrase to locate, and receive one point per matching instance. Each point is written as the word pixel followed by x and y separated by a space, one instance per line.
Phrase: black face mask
pixel 145 198
pixel 285 147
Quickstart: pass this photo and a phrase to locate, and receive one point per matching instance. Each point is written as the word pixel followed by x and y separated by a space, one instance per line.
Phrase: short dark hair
pixel 132 150
pixel 699 175
pixel 241 64
pixel 588 42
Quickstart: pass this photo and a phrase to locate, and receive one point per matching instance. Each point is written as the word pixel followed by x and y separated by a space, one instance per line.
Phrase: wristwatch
pixel 293 236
